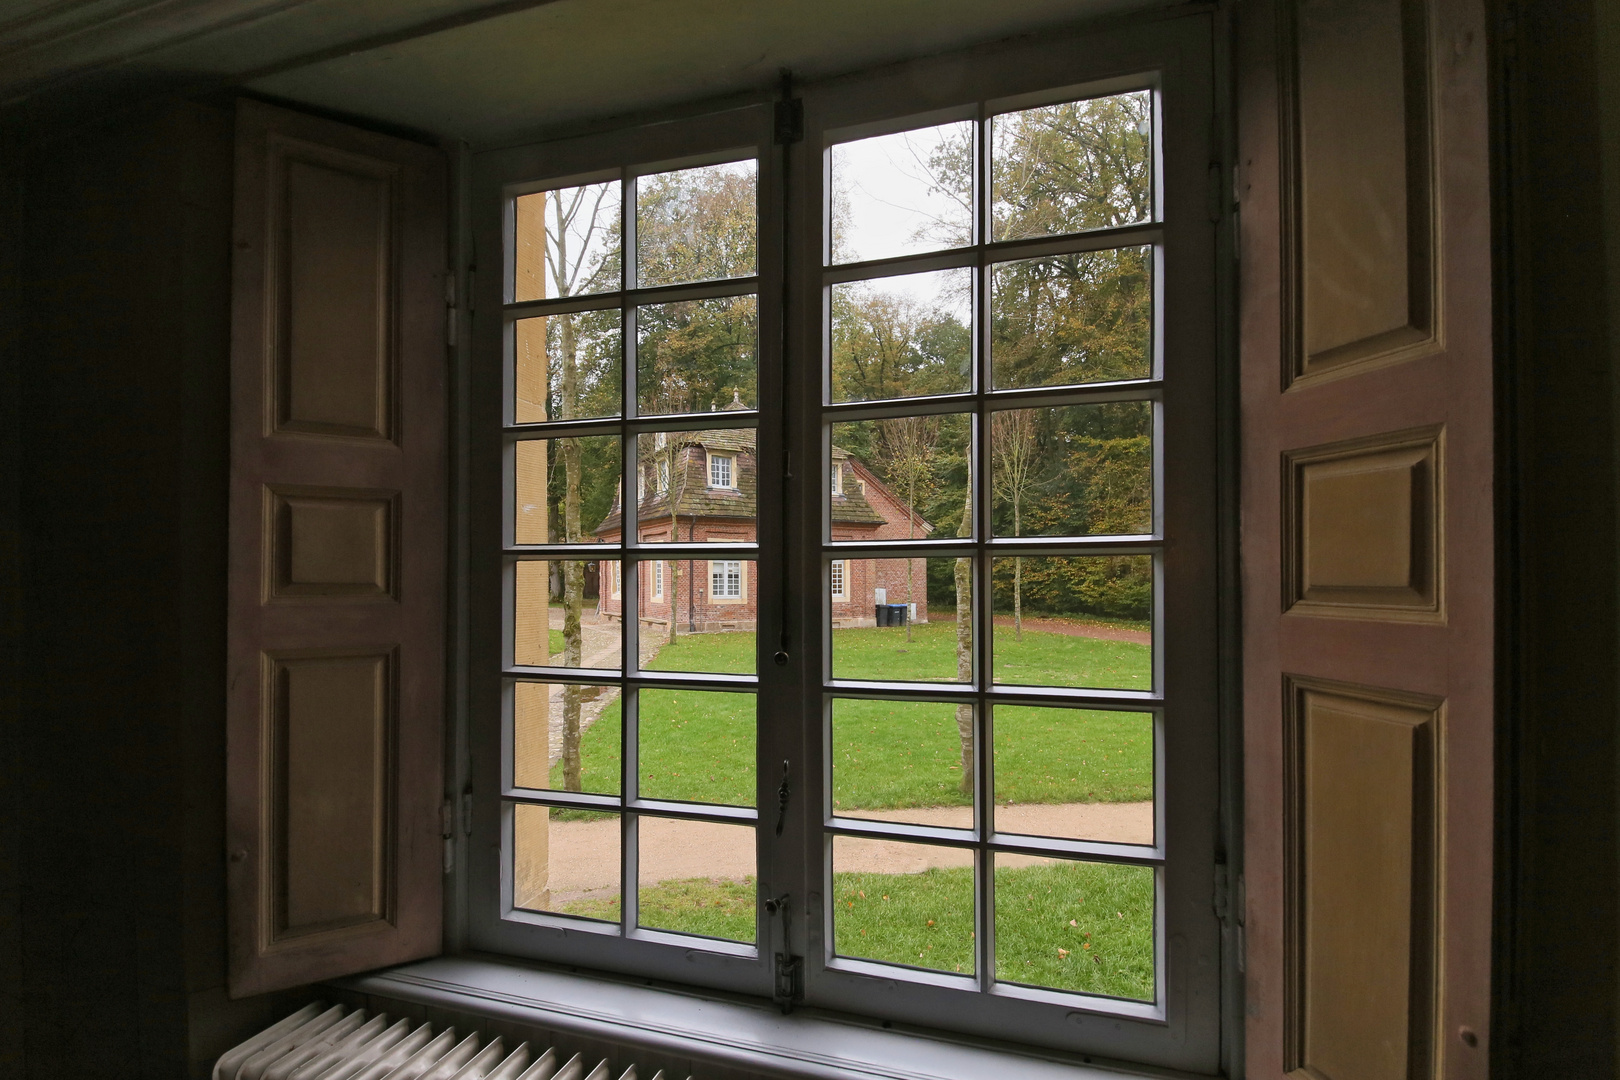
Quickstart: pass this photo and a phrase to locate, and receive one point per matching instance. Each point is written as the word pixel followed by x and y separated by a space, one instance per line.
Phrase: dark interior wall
pixel 1557 912
pixel 119 786
pixel 11 987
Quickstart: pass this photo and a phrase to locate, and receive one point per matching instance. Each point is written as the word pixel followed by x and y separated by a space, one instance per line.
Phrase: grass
pixel 1040 659
pixel 1085 927
pixel 729 653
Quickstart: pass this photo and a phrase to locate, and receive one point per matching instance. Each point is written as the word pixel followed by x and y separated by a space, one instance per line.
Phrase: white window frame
pixel 1181 1029
pixel 719 566
pixel 658 579
pixel 728 462
pixel 837 479
pixel 838 576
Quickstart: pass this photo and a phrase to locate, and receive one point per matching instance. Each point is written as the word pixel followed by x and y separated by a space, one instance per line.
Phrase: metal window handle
pixel 783 791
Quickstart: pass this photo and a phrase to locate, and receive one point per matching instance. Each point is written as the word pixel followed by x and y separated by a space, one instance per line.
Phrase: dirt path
pixel 585 854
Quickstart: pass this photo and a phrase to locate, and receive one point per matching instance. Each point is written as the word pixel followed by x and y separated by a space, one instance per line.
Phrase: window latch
pixel 783 791
pixel 789 969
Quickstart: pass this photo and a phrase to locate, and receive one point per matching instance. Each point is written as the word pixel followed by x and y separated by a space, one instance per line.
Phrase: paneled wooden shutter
pixel 1367 537
pixel 337 564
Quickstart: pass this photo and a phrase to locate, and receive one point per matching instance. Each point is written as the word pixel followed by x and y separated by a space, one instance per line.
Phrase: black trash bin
pixel 880 613
pixel 896 615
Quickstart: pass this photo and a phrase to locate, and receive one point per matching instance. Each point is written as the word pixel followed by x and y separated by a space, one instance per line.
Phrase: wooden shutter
pixel 1367 537
pixel 337 562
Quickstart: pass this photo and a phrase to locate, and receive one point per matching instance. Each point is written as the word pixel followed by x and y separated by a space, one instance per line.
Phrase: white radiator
pixel 320 1043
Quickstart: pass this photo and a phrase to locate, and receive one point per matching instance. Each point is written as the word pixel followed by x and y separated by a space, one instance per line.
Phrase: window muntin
pixel 726 579
pixel 1049 314
pixel 721 470
pixel 836 575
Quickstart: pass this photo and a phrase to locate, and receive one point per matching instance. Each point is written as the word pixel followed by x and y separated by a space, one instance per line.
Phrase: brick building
pixel 710 476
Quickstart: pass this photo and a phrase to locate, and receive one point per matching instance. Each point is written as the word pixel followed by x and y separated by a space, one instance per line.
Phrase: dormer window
pixel 722 471
pixel 837 473
pixel 663 476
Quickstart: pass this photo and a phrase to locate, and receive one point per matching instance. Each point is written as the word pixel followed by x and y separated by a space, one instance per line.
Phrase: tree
pixel 573 218
pixel 964 641
pixel 1013 475
pixel 908 445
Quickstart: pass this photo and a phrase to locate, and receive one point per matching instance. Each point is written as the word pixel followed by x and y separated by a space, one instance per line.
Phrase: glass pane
pixel 1079 774
pixel 901 479
pixel 696 487
pixel 903 761
pixel 567 242
pixel 561 615
pixel 1077 470
pixel 557 479
pixel 1072 925
pixel 697 356
pixel 713 607
pixel 696 224
pixel 565 737
pixel 1071 167
pixel 902 336
pixel 566 861
pixel 568 366
pixel 697 746
pixel 697 877
pixel 903 193
pixel 903 903
pixel 899 621
pixel 1074 620
pixel 1072 319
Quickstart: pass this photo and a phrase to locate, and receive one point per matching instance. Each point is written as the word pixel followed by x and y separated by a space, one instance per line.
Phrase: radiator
pixel 320 1043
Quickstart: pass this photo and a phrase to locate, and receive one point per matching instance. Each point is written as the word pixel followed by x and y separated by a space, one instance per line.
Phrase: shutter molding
pixel 338 520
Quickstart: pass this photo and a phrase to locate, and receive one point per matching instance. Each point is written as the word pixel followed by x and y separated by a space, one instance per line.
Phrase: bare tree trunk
pixel 573 570
pixel 911 534
pixel 1018 577
pixel 964 644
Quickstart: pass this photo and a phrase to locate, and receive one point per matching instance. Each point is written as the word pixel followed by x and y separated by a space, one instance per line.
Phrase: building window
pixel 726 580
pixel 721 471
pixel 1036 260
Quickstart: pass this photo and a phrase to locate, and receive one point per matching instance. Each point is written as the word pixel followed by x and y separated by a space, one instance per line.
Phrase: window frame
pixel 714 460
pixel 791 598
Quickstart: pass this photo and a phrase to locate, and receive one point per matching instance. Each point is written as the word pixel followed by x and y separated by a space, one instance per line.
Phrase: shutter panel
pixel 1367 538
pixel 337 562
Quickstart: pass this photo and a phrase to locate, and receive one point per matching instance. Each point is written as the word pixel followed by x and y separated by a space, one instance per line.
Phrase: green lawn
pixel 1040 659
pixel 1086 927
pixel 698 746
pixel 729 653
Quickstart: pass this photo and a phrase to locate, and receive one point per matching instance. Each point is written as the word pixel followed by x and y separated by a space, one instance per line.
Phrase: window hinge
pixel 789 121
pixel 1223 893
pixel 466 812
pixel 447 830
pixel 788 988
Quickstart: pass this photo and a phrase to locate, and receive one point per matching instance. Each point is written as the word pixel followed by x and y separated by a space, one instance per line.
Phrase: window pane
pixel 1072 319
pixel 561 617
pixel 1072 925
pixel 902 193
pixel 554 474
pixel 565 737
pixel 902 336
pixel 899 621
pixel 697 877
pixel 697 746
pixel 903 903
pixel 903 761
pixel 567 242
pixel 568 366
pixel 904 478
pixel 1078 470
pixel 1080 774
pixel 1071 167
pixel 696 224
pixel 706 628
pixel 697 356
pixel 680 501
pixel 566 861
pixel 1081 621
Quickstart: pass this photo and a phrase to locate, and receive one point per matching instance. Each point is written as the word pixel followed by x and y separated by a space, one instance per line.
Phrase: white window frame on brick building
pixel 723 471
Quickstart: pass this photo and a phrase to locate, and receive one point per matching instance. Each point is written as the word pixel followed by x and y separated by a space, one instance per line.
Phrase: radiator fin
pixel 321 1043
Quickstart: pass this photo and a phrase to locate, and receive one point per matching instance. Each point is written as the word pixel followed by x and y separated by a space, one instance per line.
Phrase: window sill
pixel 725 1032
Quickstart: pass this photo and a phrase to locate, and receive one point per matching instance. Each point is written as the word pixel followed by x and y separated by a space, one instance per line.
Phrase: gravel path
pixel 585 854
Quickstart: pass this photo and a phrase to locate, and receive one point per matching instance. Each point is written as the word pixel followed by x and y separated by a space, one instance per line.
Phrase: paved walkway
pixel 585 854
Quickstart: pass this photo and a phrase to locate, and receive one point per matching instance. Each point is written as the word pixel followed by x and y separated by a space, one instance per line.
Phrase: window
pixel 726 580
pixel 720 470
pixel 1001 341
